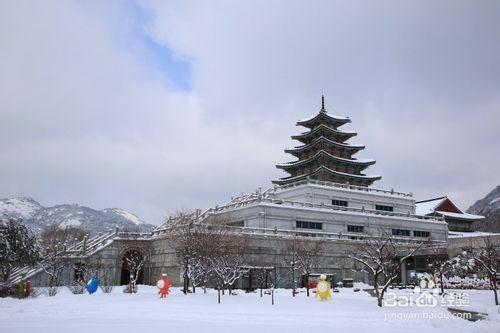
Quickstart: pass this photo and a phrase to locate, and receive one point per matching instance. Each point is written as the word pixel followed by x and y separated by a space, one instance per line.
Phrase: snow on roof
pixel 323 168
pixel 334 117
pixel 322 138
pixel 321 126
pixel 455 234
pixel 427 206
pixel 465 216
pixel 323 152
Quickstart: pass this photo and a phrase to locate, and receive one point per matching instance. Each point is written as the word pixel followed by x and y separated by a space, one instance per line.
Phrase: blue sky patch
pixel 176 69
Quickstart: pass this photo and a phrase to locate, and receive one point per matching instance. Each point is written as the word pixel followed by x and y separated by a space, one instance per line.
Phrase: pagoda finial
pixel 323 103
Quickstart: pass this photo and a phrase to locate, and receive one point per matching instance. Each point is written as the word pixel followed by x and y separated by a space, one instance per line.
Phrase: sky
pixel 160 106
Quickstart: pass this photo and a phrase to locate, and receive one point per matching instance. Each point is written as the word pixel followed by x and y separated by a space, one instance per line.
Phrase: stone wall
pixel 456 244
pixel 264 250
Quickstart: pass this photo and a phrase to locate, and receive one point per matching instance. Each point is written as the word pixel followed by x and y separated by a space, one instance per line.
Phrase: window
pixel 341 203
pixel 237 224
pixel 355 228
pixel 400 232
pixel 417 233
pixel 309 225
pixel 384 208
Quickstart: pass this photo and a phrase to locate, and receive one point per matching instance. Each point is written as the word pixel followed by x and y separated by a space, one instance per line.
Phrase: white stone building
pixel 326 196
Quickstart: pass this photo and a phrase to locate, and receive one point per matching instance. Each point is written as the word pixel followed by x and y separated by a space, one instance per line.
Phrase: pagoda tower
pixel 324 154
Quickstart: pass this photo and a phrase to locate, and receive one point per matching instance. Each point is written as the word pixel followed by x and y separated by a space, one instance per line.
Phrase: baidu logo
pixel 425 294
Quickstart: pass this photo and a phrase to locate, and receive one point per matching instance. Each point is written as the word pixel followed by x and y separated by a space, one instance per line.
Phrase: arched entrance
pixel 132 266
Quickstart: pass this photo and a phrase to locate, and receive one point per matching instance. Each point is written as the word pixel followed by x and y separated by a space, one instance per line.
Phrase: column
pixel 403 272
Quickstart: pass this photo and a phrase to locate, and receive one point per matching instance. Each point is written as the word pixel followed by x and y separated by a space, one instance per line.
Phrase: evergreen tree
pixel 18 247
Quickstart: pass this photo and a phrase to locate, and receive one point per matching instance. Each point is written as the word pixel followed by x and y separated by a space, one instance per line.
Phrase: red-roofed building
pixel 457 219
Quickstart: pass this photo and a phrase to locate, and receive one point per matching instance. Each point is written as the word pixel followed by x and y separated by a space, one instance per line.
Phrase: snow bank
pixel 118 312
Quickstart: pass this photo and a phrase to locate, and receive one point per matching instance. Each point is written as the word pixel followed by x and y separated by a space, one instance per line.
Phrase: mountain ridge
pixel 489 207
pixel 40 218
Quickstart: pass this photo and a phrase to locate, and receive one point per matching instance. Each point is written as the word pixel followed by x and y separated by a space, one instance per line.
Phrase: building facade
pixel 458 220
pixel 326 197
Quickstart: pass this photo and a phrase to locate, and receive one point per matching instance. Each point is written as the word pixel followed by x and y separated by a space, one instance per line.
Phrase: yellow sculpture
pixel 323 288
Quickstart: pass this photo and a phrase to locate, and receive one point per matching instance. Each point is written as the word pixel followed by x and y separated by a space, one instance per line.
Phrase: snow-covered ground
pixel 347 311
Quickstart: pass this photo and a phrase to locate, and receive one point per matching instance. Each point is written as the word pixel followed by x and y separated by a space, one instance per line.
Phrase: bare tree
pixel 55 235
pixel 198 272
pixel 382 257
pixel 206 244
pixel 205 251
pixel 104 273
pixel 438 262
pixel 133 262
pixel 442 266
pixel 307 255
pixel 227 261
pixel 183 240
pixel 86 269
pixel 53 265
pixel 261 276
pixel 105 276
pixel 135 254
pixel 291 261
pixel 487 259
pixel 80 277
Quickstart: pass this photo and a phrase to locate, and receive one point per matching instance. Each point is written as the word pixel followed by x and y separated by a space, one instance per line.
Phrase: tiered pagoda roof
pixel 325 155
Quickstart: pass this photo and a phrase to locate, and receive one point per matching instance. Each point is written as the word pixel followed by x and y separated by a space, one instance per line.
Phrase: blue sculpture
pixel 92 285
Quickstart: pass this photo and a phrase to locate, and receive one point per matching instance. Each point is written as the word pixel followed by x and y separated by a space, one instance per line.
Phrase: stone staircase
pixel 82 249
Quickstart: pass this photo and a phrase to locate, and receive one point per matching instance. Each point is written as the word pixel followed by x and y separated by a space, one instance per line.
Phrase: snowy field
pixel 347 311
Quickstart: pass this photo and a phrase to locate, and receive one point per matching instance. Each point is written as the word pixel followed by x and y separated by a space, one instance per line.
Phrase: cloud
pixel 86 120
pixel 90 114
pixel 418 79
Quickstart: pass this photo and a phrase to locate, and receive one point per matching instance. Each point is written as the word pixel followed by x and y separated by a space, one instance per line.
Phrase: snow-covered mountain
pixel 40 218
pixel 489 207
pixel 21 208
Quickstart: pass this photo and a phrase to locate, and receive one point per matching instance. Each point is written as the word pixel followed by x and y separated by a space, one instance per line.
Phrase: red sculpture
pixel 164 285
pixel 27 288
